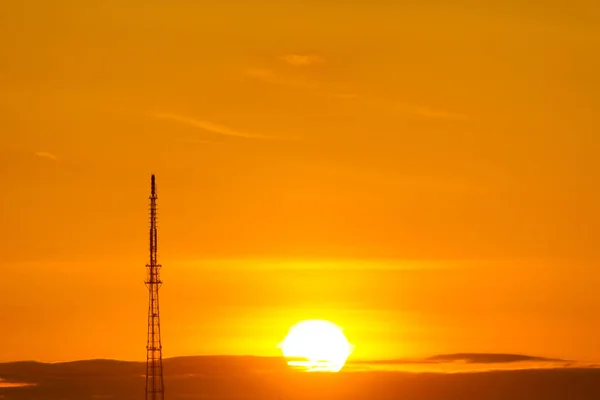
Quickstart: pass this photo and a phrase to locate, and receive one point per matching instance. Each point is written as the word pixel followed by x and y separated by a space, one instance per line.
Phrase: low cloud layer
pixel 483 358
pixel 468 362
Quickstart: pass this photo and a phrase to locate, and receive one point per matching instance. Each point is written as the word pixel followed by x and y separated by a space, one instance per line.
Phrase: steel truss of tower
pixel 154 371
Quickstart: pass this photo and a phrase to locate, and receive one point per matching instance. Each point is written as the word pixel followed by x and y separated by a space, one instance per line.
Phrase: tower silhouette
pixel 154 372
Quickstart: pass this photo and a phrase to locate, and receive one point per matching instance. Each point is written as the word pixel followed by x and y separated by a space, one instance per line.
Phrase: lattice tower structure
pixel 155 389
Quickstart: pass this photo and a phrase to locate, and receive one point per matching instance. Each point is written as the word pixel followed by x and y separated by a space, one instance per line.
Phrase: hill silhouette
pixel 232 377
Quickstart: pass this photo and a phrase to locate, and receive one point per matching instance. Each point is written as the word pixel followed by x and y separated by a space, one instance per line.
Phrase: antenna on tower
pixel 154 373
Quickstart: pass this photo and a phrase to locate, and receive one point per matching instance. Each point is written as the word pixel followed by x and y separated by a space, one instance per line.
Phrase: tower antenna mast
pixel 154 372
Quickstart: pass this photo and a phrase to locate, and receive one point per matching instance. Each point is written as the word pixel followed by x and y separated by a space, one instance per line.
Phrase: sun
pixel 316 345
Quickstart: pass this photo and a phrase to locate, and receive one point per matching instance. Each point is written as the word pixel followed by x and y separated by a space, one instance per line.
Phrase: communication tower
pixel 154 372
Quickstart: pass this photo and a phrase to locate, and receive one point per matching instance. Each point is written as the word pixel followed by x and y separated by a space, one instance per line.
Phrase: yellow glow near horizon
pixel 316 346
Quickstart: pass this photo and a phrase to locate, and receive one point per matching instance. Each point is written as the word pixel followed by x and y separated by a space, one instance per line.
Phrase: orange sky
pixel 424 175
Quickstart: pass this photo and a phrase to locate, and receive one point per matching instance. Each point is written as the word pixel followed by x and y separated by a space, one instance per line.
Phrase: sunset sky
pixel 425 174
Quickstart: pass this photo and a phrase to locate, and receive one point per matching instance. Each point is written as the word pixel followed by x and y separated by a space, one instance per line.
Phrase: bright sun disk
pixel 316 345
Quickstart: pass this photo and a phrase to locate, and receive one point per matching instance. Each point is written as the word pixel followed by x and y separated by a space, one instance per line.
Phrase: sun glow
pixel 316 345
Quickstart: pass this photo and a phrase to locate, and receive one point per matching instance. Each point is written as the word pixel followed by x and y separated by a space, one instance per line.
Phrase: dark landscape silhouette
pixel 231 377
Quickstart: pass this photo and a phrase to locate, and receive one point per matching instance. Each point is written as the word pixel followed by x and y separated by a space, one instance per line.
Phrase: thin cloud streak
pixel 300 60
pixel 209 126
pixel 321 88
pixel 194 141
pixel 271 77
pixel 44 154
pixel 429 113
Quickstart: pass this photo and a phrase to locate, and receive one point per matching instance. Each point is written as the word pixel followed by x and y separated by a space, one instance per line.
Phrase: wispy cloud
pixel 301 60
pixel 209 126
pixel 406 108
pixel 194 141
pixel 426 112
pixel 346 95
pixel 44 154
pixel 265 75
pixel 275 78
